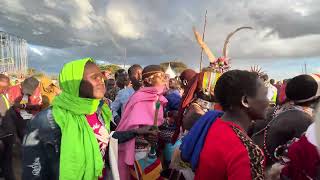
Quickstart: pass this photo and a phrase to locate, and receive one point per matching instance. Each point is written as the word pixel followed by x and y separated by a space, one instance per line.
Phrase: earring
pixel 244 102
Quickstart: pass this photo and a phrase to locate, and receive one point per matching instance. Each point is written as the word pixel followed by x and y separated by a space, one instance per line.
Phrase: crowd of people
pixel 143 124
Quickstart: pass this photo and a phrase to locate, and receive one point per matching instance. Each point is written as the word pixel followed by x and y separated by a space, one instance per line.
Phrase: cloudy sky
pixel 286 32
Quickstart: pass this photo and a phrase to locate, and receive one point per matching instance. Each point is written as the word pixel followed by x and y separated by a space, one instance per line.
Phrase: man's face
pixel 136 78
pixel 172 83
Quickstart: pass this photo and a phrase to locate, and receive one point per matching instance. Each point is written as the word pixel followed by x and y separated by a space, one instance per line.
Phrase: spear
pixel 204 30
pixel 152 153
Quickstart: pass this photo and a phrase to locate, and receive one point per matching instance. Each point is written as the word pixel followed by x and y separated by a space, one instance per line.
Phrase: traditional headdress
pixel 150 72
pixel 217 65
pixel 204 82
pixel 258 70
pixel 187 75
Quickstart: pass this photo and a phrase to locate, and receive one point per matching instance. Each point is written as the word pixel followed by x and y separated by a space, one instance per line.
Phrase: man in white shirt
pixel 272 90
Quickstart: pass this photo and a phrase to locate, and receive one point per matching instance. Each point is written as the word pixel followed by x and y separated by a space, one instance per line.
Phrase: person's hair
pixel 265 77
pixel 148 73
pixel 29 85
pixel 133 69
pixel 233 85
pixel 119 73
pixel 175 84
pixel 123 81
pixel 187 75
pixel 110 83
pixel 272 81
pixel 3 77
pixel 301 87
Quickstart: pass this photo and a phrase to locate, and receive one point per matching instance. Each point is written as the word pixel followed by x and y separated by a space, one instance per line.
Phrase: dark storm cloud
pixel 152 31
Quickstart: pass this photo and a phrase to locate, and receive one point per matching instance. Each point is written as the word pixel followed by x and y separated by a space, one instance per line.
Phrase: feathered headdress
pixel 220 64
pixel 258 70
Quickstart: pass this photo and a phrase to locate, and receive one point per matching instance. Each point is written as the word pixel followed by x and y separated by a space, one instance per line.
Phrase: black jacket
pixel 41 147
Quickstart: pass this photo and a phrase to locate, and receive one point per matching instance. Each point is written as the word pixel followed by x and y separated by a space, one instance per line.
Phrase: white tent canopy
pixel 170 72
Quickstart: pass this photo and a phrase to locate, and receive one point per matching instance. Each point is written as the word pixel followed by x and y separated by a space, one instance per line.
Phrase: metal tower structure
pixel 13 54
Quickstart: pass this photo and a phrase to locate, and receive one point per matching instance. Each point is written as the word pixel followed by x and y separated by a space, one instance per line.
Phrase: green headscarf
pixel 80 157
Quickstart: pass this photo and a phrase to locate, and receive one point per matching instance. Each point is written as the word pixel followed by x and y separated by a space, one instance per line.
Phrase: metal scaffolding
pixel 13 54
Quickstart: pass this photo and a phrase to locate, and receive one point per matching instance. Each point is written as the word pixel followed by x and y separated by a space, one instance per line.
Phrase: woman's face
pixel 92 85
pixel 257 106
pixel 160 80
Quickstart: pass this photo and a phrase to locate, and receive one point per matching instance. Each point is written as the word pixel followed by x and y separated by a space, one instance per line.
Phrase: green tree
pixel 177 66
pixel 31 71
pixel 38 74
pixel 111 67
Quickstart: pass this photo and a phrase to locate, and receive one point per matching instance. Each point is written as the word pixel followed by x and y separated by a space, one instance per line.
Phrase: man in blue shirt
pixel 135 76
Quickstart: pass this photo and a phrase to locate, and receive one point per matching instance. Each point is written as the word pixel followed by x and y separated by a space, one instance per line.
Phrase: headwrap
pixel 187 75
pixel 303 88
pixel 151 70
pixel 80 156
pixel 203 82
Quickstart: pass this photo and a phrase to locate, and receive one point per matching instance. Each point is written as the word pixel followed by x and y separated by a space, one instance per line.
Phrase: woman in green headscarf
pixel 69 140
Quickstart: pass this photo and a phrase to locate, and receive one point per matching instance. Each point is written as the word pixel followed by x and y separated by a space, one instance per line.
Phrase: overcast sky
pixel 286 32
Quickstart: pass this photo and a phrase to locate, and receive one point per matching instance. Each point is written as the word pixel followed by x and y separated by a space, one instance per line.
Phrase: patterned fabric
pixel 255 155
pixel 290 106
pixel 102 136
pixel 166 131
pixel 304 161
pixel 210 79
pixel 146 168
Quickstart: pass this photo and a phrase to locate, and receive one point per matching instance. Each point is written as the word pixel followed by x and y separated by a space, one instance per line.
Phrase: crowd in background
pixel 141 123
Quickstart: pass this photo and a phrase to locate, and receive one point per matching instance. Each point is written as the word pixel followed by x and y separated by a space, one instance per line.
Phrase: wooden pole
pixel 203 33
pixel 125 58
pixel 152 153
pixel 305 67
